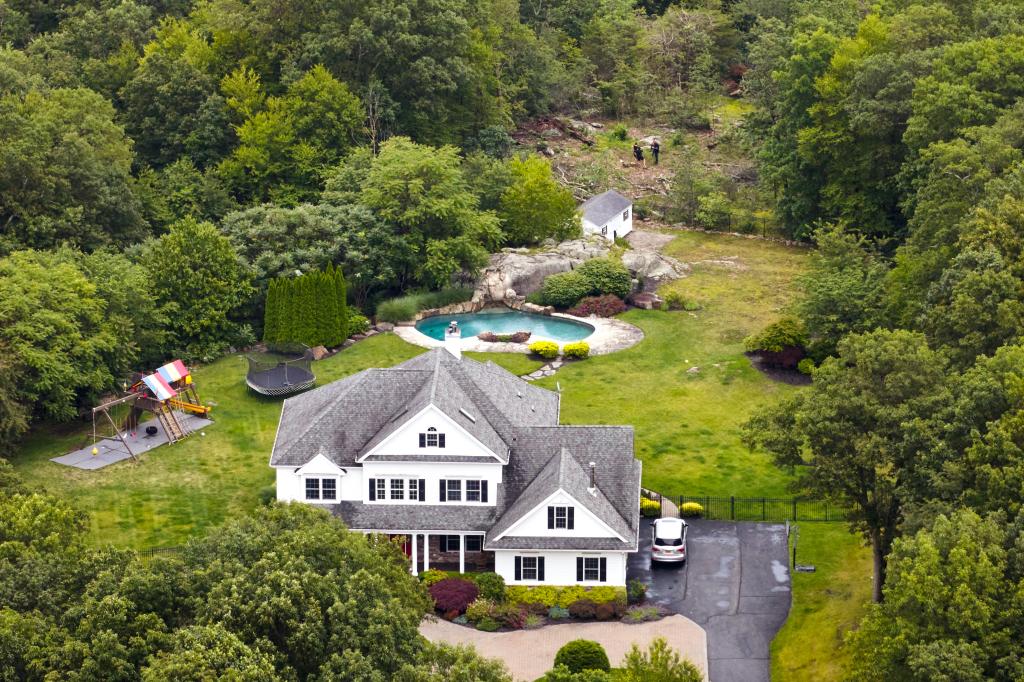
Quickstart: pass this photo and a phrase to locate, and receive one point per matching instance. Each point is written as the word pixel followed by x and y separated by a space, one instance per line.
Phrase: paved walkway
pixel 530 653
pixel 735 584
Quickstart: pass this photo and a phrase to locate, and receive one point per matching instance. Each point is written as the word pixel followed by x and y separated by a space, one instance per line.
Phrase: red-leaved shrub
pixel 453 594
pixel 608 305
pixel 582 608
pixel 515 337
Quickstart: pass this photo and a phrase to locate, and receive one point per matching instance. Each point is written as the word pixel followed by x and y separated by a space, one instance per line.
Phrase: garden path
pixel 530 653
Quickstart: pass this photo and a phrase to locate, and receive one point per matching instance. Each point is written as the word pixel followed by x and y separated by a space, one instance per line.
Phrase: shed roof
pixel 605 206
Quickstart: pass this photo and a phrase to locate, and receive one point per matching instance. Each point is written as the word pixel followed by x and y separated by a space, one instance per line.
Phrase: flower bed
pixel 516 337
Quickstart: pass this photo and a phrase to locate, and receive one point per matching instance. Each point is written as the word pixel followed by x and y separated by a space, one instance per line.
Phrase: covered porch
pixel 460 551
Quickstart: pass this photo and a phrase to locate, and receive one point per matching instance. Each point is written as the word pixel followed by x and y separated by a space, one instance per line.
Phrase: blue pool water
pixel 506 321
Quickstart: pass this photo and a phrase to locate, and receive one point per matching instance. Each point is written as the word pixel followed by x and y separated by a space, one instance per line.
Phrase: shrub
pixel 805 366
pixel 511 616
pixel 620 132
pixel 432 576
pixel 517 337
pixel 453 594
pixel 357 322
pixel 577 351
pixel 487 624
pixel 480 609
pixel 640 614
pixel 691 509
pixel 549 595
pixel 650 509
pixel 443 297
pixel 545 349
pixel 677 300
pixel 582 608
pixel 785 333
pixel 461 620
pixel 564 289
pixel 558 613
pixel 492 586
pixel 714 210
pixel 583 654
pixel 397 309
pixel 608 305
pixel 636 590
pixel 267 494
pixel 604 611
pixel 606 276
pixel 533 621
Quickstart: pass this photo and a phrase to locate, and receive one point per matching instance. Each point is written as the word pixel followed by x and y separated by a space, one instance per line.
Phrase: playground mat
pixel 111 450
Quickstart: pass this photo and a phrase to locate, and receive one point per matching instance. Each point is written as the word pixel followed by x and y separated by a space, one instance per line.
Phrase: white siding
pixel 560 567
pixel 458 441
pixel 535 523
pixel 432 473
pixel 617 226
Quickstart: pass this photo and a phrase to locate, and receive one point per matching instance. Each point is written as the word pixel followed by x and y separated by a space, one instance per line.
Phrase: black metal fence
pixel 777 509
pixel 156 551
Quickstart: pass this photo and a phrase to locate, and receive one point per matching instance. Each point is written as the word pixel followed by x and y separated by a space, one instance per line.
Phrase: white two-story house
pixel 468 465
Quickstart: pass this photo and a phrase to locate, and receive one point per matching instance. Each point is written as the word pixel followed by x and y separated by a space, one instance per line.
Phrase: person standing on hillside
pixel 638 154
pixel 655 150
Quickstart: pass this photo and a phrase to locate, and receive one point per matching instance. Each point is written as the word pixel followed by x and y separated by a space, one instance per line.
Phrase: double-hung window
pixel 529 568
pixel 414 489
pixel 454 490
pixel 382 488
pixel 397 488
pixel 625 214
pixel 561 517
pixel 591 569
pixel 321 489
pixel 472 491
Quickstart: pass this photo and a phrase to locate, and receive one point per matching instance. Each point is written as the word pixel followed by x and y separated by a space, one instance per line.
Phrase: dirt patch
pixel 784 376
pixel 644 240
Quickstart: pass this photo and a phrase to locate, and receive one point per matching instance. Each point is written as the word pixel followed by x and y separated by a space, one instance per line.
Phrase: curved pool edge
pixel 609 335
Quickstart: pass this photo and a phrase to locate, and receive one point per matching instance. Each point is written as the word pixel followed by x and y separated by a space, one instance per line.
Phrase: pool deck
pixel 609 335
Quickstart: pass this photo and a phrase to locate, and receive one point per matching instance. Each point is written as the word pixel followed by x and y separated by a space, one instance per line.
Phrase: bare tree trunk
pixel 878 552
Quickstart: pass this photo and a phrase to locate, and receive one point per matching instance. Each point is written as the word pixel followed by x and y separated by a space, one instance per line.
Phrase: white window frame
pixel 432 438
pixel 478 492
pixel 535 569
pixel 596 569
pixel 319 499
pixel 400 489
pixel 412 486
pixel 625 214
pixel 561 522
pixel 448 490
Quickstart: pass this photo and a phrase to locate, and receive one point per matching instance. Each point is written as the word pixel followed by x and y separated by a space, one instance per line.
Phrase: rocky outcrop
pixel 653 269
pixel 514 273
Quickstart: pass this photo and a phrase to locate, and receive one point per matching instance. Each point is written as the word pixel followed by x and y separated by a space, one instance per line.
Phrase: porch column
pixel 426 552
pixel 415 555
pixel 462 552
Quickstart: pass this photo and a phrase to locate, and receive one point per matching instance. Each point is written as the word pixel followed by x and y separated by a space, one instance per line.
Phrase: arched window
pixel 431 439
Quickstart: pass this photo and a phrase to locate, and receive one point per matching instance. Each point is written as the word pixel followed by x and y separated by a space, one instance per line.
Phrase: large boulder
pixel 652 268
pixel 514 273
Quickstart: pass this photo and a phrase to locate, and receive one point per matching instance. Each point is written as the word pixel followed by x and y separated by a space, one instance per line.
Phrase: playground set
pixel 156 409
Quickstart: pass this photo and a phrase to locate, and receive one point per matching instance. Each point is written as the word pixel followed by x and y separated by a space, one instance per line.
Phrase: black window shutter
pixel 579 568
pixel 551 517
pixel 373 489
pixel 540 568
pixel 423 440
pixel 570 522
pixel 483 491
pixel 604 570
pixel 519 568
pixel 443 493
pixel 423 490
pixel 440 440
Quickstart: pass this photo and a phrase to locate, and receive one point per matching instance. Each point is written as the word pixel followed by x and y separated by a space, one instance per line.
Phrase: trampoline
pixel 281 370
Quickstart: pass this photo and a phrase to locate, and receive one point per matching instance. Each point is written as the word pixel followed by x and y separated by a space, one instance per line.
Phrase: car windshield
pixel 668 542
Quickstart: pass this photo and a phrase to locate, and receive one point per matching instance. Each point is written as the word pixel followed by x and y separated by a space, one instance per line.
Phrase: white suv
pixel 669 543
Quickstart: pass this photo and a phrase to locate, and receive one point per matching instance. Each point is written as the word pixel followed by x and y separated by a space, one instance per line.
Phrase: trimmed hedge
pixel 545 349
pixel 577 351
pixel 606 276
pixel 550 595
pixel 583 654
pixel 650 509
pixel 691 509
pixel 564 289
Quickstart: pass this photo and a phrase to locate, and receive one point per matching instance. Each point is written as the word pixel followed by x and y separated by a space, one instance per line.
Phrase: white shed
pixel 609 214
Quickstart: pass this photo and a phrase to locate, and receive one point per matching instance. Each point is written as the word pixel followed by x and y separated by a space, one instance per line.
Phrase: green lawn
pixel 687 424
pixel 826 604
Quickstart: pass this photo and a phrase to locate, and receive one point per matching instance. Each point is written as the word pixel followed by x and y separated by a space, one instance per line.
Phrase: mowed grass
pixel 688 422
pixel 826 605
pixel 178 490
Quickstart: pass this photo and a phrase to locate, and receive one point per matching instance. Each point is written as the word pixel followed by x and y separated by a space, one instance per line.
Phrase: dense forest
pixel 163 162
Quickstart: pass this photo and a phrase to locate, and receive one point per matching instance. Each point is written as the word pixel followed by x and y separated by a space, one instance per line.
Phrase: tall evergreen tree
pixel 270 313
pixel 341 293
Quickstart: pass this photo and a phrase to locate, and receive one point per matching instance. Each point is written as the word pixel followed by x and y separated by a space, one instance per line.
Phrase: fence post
pixel 764 509
pixel 794 509
pixel 732 507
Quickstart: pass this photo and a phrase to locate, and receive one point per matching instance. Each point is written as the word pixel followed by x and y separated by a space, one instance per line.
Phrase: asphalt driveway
pixel 735 584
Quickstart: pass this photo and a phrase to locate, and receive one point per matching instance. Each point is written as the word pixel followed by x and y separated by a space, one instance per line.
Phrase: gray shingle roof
pixel 344 419
pixel 605 206
pixel 385 517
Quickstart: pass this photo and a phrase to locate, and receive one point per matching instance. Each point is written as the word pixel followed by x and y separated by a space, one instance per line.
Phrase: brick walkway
pixel 531 653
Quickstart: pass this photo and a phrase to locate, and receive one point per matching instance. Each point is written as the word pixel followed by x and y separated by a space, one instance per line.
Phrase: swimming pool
pixel 506 321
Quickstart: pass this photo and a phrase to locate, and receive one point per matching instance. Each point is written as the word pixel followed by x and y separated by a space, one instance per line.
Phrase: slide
pixel 201 410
